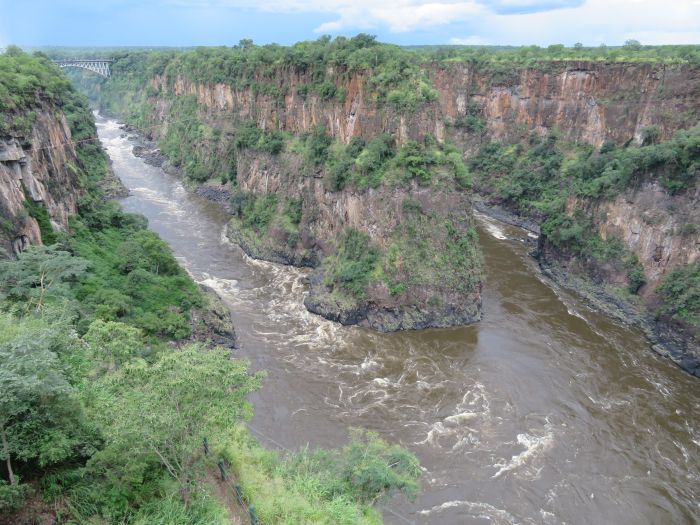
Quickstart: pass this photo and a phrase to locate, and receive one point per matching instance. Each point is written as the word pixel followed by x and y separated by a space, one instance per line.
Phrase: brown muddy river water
pixel 545 412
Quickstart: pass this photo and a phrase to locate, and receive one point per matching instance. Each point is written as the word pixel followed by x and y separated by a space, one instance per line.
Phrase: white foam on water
pixel 548 517
pixel 477 509
pixel 534 447
pixel 470 440
pixel 462 417
pixel 661 388
pixel 369 363
pixel 437 429
pixel 608 404
pixel 474 407
pixel 169 206
pixel 224 287
pixel 491 226
pixel 287 304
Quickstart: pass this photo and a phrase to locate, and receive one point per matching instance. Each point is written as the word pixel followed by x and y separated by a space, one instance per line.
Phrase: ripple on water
pixel 476 509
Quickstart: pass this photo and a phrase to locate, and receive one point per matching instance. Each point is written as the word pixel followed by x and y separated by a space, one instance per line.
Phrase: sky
pixel 404 22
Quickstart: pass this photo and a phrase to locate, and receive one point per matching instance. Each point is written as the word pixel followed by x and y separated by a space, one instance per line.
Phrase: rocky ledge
pixel 391 316
pixel 266 249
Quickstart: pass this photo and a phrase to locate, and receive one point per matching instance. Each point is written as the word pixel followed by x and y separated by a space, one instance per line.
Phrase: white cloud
pixel 469 41
pixel 398 15
pixel 500 21
pixel 604 21
pixel 402 16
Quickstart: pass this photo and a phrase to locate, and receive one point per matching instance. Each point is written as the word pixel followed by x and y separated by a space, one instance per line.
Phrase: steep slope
pixel 38 188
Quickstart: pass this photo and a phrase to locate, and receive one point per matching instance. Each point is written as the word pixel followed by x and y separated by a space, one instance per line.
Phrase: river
pixel 544 412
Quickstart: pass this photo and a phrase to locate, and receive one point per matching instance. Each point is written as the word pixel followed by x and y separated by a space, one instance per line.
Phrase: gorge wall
pixel 586 101
pixel 38 179
pixel 577 109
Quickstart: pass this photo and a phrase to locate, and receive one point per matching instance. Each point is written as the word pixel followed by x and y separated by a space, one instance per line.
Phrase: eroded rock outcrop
pixel 39 167
pixel 415 230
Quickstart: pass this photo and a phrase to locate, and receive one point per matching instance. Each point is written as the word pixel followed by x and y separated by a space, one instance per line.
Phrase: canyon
pixel 370 196
pixel 581 103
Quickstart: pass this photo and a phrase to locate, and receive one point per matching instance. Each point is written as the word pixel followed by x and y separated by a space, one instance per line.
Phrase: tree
pixel 29 372
pixel 38 274
pixel 633 45
pixel 649 134
pixel 159 414
pixel 112 344
pixel 149 252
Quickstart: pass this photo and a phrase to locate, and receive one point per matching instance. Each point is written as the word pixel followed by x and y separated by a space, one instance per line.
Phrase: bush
pixel 680 294
pixel 37 211
pixel 259 211
pixel 635 275
pixel 317 144
pixel 327 90
pixel 293 210
pixel 11 496
pixel 355 259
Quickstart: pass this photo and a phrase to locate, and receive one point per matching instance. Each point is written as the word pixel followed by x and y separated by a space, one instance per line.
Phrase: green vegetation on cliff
pixel 538 174
pixel 381 161
pixel 25 80
pixel 680 293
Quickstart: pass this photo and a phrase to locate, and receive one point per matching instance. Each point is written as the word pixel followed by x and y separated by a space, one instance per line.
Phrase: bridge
pixel 101 67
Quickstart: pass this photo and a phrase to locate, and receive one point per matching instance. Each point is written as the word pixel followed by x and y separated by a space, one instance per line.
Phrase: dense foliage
pixel 25 80
pixel 323 486
pixel 495 56
pixel 353 262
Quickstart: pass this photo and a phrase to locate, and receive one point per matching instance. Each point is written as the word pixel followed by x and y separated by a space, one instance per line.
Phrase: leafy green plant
pixel 37 211
pixel 159 413
pixel 40 275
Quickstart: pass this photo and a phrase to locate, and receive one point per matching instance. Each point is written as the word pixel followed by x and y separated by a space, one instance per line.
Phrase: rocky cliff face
pixel 39 167
pixel 585 101
pixel 660 229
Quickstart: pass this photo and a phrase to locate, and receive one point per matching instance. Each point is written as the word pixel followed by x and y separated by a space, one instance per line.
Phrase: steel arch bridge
pixel 101 67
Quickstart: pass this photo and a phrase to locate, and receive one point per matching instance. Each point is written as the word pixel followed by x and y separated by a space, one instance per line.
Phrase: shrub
pixel 635 274
pixel 293 210
pixel 355 259
pixel 317 144
pixel 327 90
pixel 680 294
